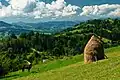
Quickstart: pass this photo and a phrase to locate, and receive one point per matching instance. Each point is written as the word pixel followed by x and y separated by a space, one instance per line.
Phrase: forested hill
pixel 108 29
pixel 35 47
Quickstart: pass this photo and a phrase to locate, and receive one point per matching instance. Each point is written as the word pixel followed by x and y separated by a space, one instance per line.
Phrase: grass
pixel 40 68
pixel 74 69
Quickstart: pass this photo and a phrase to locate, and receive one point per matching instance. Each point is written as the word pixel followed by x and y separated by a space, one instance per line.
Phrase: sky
pixel 54 10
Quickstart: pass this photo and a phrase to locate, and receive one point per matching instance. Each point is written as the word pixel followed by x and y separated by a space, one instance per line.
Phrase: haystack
pixel 93 50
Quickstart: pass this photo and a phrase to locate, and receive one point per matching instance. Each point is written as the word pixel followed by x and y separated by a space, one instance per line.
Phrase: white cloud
pixel 36 9
pixel 115 13
pixel 21 4
pixel 105 10
pixel 56 9
pixel 5 11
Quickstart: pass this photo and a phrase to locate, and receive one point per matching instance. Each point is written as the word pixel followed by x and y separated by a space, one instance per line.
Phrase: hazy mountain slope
pixel 43 27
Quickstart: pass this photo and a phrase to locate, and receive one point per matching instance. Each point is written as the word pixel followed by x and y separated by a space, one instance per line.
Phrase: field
pixel 73 68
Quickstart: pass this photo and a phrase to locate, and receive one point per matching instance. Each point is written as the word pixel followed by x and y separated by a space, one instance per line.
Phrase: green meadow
pixel 73 68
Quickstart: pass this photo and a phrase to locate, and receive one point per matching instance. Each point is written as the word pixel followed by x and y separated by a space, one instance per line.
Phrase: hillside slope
pixel 107 28
pixel 108 69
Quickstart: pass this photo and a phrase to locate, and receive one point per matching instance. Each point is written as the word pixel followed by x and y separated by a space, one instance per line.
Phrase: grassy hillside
pixel 50 65
pixel 108 69
pixel 69 42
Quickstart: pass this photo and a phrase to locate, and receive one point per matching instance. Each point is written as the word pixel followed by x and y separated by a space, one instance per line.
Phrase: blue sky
pixel 48 10
pixel 92 2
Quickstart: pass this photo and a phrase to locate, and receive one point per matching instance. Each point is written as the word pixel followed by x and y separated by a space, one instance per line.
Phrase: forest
pixel 35 46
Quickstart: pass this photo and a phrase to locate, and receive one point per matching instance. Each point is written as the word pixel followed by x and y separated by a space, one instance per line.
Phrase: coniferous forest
pixel 35 46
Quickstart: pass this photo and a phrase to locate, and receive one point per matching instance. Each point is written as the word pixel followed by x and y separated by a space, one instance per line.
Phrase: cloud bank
pixel 36 9
pixel 101 11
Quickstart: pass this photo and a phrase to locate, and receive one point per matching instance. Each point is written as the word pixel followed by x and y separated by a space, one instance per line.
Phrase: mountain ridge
pixel 43 27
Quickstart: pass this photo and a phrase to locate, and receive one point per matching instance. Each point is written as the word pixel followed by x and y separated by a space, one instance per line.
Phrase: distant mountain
pixel 47 27
pixel 43 27
pixel 4 24
pixel 6 29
